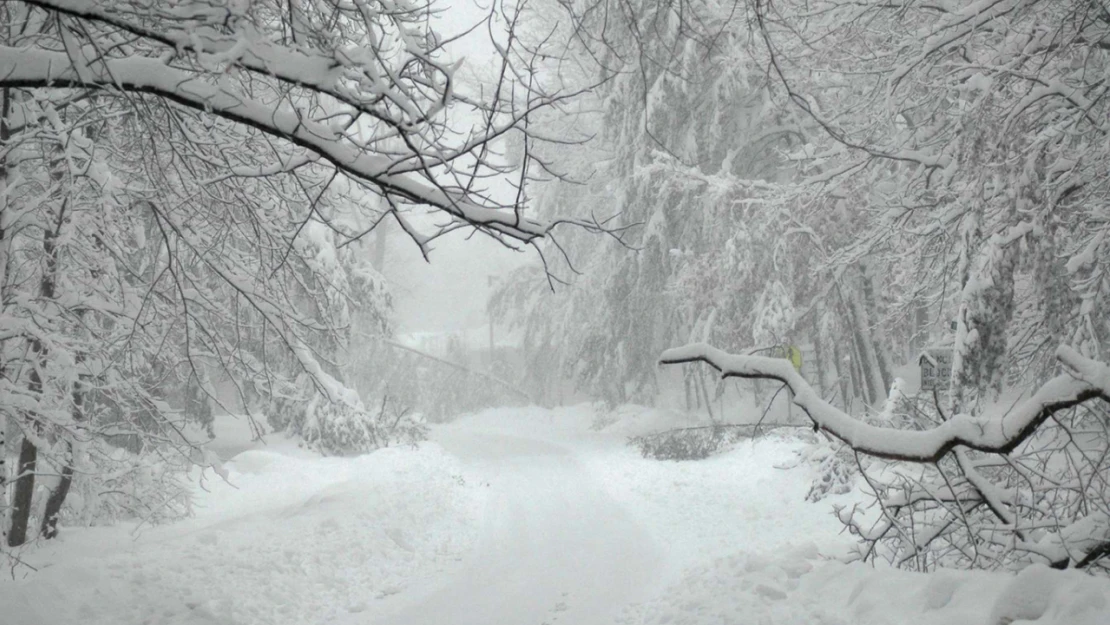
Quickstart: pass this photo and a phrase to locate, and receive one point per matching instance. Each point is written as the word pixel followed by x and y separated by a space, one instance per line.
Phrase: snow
pixel 34 67
pixel 988 432
pixel 522 515
pixel 1095 373
pixel 293 538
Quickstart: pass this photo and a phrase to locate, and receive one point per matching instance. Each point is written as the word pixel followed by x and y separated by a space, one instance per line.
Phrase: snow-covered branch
pixel 365 87
pixel 999 434
pixel 203 31
pixel 24 68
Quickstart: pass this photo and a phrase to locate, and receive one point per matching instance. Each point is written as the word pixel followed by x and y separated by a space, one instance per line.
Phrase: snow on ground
pixel 797 586
pixel 520 516
pixel 781 554
pixel 298 539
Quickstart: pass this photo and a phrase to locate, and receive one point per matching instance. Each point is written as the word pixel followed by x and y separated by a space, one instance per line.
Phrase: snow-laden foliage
pixel 684 143
pixel 184 188
pixel 341 428
pixel 112 484
pixel 139 275
pixel 364 88
pixel 893 187
pixel 974 167
pixel 967 138
pixel 774 316
pixel 834 465
pixel 696 151
pixel 700 442
pixel 1043 502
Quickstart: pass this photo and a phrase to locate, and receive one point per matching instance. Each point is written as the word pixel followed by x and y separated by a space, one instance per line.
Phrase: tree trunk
pixel 197 405
pixel 58 496
pixel 24 490
pixel 865 347
pixel 843 376
pixel 874 308
pixel 818 353
pixel 687 384
pixel 705 396
pixel 380 243
pixel 25 486
pixel 861 387
pixel 5 421
pixel 920 338
pixel 4 478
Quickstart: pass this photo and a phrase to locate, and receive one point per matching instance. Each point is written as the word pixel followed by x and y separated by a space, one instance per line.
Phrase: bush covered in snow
pixel 696 443
pixel 112 484
pixel 687 443
pixel 346 426
pixel 834 465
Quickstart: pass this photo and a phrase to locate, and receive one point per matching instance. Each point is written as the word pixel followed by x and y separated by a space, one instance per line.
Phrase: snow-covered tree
pixel 970 156
pixel 182 190
pixel 686 139
pixel 965 142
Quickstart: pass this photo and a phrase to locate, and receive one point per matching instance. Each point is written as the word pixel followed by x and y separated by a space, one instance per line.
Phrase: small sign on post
pixel 936 368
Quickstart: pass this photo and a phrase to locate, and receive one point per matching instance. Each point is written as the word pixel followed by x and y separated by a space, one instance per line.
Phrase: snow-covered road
pixel 513 517
pixel 556 549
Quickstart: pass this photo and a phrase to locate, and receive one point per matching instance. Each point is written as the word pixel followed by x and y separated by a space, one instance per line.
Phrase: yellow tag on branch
pixel 791 353
pixel 795 356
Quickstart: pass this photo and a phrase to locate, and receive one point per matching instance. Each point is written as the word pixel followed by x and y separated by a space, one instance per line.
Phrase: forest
pixel 871 235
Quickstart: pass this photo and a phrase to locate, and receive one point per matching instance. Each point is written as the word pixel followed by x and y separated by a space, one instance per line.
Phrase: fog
pixel 448 292
pixel 546 312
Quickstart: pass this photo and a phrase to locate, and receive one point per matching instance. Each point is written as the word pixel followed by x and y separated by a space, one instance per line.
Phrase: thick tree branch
pixel 24 68
pixel 988 434
pixel 302 67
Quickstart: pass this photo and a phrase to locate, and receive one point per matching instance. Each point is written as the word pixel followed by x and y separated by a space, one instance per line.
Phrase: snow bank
pixel 294 538
pixel 743 498
pixel 796 586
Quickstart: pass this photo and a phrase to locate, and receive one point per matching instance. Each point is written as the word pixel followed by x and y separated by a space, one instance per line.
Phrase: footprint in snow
pixel 770 592
pixel 388 591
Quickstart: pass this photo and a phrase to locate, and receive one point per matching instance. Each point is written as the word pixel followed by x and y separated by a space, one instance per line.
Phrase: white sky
pixel 449 293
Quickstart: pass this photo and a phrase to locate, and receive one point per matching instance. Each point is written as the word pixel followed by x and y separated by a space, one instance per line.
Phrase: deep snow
pixel 515 517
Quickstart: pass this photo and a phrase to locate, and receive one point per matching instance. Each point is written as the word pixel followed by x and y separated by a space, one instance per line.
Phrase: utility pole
pixel 489 313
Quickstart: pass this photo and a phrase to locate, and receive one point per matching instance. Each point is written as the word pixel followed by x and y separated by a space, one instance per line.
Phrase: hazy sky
pixel 449 293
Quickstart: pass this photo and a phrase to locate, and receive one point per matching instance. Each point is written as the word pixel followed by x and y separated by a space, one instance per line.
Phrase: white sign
pixel 936 368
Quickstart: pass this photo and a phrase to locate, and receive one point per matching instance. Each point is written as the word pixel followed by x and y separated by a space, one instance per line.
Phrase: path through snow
pixel 512 517
pixel 557 548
